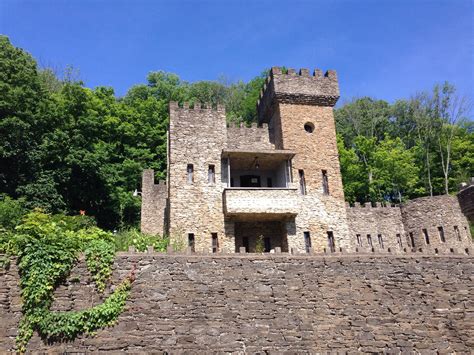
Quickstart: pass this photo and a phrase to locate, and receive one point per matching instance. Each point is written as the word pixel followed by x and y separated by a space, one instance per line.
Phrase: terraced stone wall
pixel 254 303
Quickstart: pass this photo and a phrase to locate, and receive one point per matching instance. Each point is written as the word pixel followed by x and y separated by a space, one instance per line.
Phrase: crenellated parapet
pixel 196 106
pixel 301 88
pixel 372 205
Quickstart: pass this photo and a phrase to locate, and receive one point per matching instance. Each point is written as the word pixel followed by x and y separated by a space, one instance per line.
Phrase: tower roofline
pixel 297 88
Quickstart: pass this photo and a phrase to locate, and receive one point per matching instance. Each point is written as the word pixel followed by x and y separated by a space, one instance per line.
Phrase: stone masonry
pixel 285 170
pixel 275 303
pixel 466 200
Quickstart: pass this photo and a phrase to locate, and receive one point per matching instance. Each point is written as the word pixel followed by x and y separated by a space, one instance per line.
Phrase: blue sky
pixel 384 49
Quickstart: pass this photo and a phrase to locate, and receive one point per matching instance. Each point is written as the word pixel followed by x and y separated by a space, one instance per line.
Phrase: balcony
pixel 251 203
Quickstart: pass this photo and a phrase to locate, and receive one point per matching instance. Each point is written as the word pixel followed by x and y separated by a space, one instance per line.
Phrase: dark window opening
pixel 191 241
pixel 211 174
pixel 269 182
pixel 441 234
pixel 456 231
pixel 231 182
pixel 399 240
pixel 307 242
pixel 215 243
pixel 325 182
pixel 190 170
pixel 380 238
pixel 267 243
pixel 331 243
pixel 302 182
pixel 309 127
pixel 245 242
pixel 412 240
pixel 250 181
pixel 369 240
pixel 427 237
pixel 359 240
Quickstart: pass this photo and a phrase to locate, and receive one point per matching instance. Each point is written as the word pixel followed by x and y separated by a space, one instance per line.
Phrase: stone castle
pixel 277 185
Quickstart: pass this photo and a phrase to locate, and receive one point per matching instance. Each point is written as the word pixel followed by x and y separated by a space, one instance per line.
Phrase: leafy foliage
pixel 133 237
pixel 409 149
pixel 259 244
pixel 47 248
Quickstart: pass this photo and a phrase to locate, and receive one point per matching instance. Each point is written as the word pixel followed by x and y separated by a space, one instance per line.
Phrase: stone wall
pixel 367 220
pixel 432 214
pixel 154 202
pixel 438 215
pixel 254 303
pixel 466 201
pixel 249 138
pixel 257 203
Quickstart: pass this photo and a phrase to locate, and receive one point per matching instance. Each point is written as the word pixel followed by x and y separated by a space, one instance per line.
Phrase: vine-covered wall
pixel 363 303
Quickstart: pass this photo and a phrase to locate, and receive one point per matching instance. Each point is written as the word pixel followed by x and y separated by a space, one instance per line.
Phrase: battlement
pixel 371 205
pixel 338 253
pixel 243 126
pixel 175 106
pixel 297 88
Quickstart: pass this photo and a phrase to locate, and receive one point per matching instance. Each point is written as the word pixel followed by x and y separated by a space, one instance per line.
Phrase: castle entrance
pixel 264 235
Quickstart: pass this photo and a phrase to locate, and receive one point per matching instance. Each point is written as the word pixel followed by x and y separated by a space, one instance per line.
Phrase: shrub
pixel 133 237
pixel 11 212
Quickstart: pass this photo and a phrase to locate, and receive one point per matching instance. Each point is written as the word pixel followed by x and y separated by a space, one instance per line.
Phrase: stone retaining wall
pixel 275 303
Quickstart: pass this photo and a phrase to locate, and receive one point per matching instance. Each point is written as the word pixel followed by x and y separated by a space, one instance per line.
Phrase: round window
pixel 309 127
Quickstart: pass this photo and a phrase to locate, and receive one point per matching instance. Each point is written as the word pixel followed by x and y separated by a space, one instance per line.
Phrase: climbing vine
pixel 47 249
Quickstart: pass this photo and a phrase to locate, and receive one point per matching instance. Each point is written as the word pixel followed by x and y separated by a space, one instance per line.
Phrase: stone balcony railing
pixel 260 202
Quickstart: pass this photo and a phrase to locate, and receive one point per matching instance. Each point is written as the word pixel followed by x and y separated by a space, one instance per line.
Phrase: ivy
pixel 47 249
pixel 99 257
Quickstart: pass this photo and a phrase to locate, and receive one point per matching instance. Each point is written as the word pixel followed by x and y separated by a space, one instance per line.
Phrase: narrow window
pixel 302 182
pixel 245 242
pixel 325 182
pixel 269 182
pixel 412 240
pixel 427 237
pixel 369 240
pixel 399 241
pixel 456 232
pixel 191 241
pixel 441 234
pixel 267 243
pixel 380 238
pixel 359 240
pixel 307 242
pixel 215 243
pixel 231 182
pixel 211 174
pixel 331 243
pixel 190 171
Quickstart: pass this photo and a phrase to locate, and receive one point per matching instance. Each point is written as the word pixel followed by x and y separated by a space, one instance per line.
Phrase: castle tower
pixel 196 138
pixel 299 110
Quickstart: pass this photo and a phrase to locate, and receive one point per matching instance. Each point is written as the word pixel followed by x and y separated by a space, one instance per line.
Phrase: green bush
pixel 133 237
pixel 11 212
